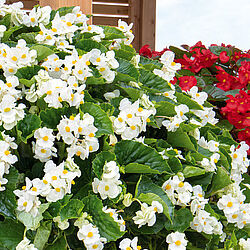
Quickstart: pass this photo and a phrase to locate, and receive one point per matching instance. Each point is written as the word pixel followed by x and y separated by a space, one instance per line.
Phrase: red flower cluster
pixel 200 58
pixel 187 82
pixel 237 111
pixel 147 52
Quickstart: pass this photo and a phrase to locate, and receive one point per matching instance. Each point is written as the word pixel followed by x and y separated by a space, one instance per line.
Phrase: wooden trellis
pixel 107 12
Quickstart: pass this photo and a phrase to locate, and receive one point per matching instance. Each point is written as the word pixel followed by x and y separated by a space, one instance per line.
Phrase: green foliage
pixel 71 210
pixel 42 52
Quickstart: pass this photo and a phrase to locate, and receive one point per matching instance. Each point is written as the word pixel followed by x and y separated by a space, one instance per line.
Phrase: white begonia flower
pixel 176 241
pixel 110 171
pixel 207 115
pixel 244 244
pixel 173 124
pixel 157 206
pixel 3 181
pixel 82 220
pixel 2 30
pixel 25 245
pixel 61 224
pixel 213 146
pixel 145 216
pixel 110 95
pixel 199 97
pixel 127 200
pixel 181 110
pixel 170 94
pixel 88 234
pixel 127 244
pixel 228 204
pixel 45 137
pixel 94 29
pixel 202 142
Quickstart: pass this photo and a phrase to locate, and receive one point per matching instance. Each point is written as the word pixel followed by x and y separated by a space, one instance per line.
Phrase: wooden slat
pixel 148 16
pixel 113 1
pixel 111 21
pixel 110 9
pixel 135 18
pixel 28 4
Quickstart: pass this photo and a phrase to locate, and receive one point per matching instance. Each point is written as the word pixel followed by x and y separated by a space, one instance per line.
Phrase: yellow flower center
pixel 166 94
pixel 106 188
pixel 120 119
pixel 11 70
pixel 87 63
pixel 181 113
pixel 23 56
pixel 215 160
pixel 67 129
pixel 234 216
pixel 91 135
pixel 57 190
pixel 72 118
pixel 60 99
pixel 32 19
pixel 25 204
pixel 78 153
pixel 89 28
pixel 173 63
pixel 235 155
pixel 54 178
pixel 54 30
pixel 45 181
pixel 34 189
pixel 80 72
pixel 229 204
pixel 69 24
pixel 133 127
pixel 129 115
pixel 148 120
pixel 178 243
pixel 79 129
pixel 14 58
pixel 65 171
pixel 48 37
pixel 90 148
pixel 140 109
pixel 95 246
pixel 200 195
pixel 45 138
pixel 102 69
pixel 181 184
pixel 57 69
pixel 98 59
pixel 168 187
pixel 90 234
pixel 43 150
pixel 23 187
pixel 49 92
pixel 6 152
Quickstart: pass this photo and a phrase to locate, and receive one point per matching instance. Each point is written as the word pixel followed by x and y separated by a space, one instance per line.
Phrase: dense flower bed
pixel 223 72
pixel 99 150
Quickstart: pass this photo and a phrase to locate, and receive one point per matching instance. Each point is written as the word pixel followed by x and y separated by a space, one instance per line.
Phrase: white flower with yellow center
pixel 228 204
pixel 25 245
pixel 176 241
pixel 181 110
pixel 199 97
pixel 127 244
pixel 88 233
pixel 213 146
pixel 45 137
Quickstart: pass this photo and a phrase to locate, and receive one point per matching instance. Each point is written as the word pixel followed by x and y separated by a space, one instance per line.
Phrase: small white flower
pixel 176 241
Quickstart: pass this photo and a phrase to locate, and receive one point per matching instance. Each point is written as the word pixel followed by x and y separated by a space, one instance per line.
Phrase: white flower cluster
pixel 127 31
pixel 176 241
pixel 79 133
pixel 170 151
pixel 13 58
pixel 43 148
pixel 6 158
pixel 147 214
pixel 240 162
pixel 132 119
pixel 178 191
pixel 109 185
pixel 244 244
pixel 174 123
pixel 56 183
pixel 167 72
pixel 233 206
pixel 79 66
pixel 25 245
pixel 182 193
pixel 61 224
pixel 117 218
pixel 127 244
pixel 62 28
pixel 89 234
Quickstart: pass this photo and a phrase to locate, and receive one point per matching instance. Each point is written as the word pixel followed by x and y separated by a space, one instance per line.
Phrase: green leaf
pixel 178 52
pixel 108 228
pixel 147 61
pixel 165 108
pixel 27 126
pixel 72 210
pixel 11 233
pixel 203 180
pixel 191 171
pixel 112 33
pixel 225 124
pixel 242 59
pixel 9 32
pixel 6 21
pixel 27 83
pixel 126 71
pixel 102 121
pixel 27 73
pixel 42 234
pixel 220 180
pixel 88 44
pixel 30 38
pixel 42 52
pixel 215 92
pixel 218 49
pixel 181 220
pixel 147 191
pixel 59 244
pixel 180 139
pixel 29 221
pixel 124 54
pixel 51 117
pixel 136 168
pixel 186 99
pixel 128 152
pixel 99 162
pixel 133 93
pixel 7 197
pixel 152 81
pixel 95 80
